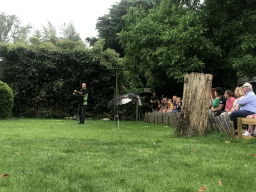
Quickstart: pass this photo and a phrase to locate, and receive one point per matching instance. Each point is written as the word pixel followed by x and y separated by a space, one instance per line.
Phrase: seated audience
pixel 170 104
pixel 239 95
pixel 212 97
pixel 159 105
pixel 174 98
pixel 178 107
pixel 247 105
pixel 219 103
pixel 230 100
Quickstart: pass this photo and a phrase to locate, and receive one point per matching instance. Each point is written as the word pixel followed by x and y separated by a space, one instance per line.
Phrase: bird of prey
pixel 123 99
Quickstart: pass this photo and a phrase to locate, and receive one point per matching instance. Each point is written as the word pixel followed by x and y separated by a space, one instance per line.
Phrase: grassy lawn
pixel 59 155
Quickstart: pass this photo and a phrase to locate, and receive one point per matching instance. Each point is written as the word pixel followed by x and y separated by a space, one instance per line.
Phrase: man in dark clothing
pixel 154 102
pixel 83 96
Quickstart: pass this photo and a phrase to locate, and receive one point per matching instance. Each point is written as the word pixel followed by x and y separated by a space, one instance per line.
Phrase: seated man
pixel 247 105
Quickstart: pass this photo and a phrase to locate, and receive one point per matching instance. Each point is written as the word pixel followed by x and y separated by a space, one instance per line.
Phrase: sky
pixel 83 13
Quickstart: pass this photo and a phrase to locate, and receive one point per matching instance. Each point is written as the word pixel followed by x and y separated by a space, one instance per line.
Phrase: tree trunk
pixel 195 105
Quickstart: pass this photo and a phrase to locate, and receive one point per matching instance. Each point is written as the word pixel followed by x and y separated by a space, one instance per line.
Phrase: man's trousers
pixel 81 113
pixel 240 113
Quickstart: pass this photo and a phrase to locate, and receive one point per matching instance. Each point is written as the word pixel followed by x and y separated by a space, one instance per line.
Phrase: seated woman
pixel 230 100
pixel 219 103
pixel 212 97
pixel 239 95
pixel 250 131
pixel 170 105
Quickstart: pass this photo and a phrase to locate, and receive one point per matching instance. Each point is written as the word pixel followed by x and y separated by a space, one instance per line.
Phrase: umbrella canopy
pixel 123 99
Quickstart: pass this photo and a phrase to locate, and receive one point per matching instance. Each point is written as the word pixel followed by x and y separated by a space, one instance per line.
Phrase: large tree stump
pixel 195 105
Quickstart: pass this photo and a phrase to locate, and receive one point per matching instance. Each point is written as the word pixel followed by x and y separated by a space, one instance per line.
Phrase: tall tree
pixel 37 33
pixel 231 25
pixel 11 29
pixel 92 40
pixel 110 24
pixel 69 32
pixel 49 33
pixel 165 44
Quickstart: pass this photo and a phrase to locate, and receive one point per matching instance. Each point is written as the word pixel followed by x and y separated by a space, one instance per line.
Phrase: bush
pixel 6 100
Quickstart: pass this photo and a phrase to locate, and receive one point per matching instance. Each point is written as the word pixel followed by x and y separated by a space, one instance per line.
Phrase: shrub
pixel 6 100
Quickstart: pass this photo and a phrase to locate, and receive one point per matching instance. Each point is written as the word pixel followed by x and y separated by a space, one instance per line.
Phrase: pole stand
pixel 118 127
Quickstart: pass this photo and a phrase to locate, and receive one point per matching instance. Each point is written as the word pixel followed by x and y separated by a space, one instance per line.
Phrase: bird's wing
pixel 125 100
pixel 135 98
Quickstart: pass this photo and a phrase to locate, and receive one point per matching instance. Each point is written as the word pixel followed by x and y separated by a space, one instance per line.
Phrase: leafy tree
pixel 230 25
pixel 37 34
pixel 110 24
pixel 6 102
pixel 108 57
pixel 12 30
pixel 20 34
pixel 44 75
pixel 165 44
pixel 49 33
pixel 69 32
pixel 91 40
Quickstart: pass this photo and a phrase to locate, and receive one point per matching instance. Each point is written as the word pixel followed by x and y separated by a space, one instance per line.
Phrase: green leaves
pixel 169 41
pixel 45 74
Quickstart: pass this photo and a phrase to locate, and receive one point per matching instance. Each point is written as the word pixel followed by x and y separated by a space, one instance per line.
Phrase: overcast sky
pixel 83 13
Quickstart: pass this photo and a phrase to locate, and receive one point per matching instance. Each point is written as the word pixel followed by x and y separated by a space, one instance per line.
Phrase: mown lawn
pixel 59 155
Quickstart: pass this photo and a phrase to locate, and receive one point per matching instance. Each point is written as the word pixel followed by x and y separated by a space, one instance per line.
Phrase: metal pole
pixel 117 111
pixel 137 107
pixel 114 107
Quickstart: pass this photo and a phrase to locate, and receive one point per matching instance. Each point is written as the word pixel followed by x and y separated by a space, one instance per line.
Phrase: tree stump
pixel 195 105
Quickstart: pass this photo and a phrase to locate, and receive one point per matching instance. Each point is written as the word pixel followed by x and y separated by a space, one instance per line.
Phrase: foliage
pixel 12 30
pixel 110 24
pixel 231 26
pixel 6 101
pixel 49 33
pixel 91 40
pixel 109 57
pixel 45 74
pixel 69 32
pixel 165 43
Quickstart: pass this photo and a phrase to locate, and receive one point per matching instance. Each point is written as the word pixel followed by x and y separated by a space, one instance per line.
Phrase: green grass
pixel 59 155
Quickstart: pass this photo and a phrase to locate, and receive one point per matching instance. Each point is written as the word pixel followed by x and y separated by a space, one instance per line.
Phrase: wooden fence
pixel 170 119
pixel 219 123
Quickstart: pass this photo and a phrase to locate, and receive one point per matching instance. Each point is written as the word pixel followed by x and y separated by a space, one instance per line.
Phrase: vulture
pixel 123 99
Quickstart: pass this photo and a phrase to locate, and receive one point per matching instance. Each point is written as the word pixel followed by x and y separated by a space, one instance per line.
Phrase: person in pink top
pixel 230 100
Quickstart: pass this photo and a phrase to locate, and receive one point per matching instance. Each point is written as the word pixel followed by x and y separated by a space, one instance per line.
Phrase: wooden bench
pixel 241 121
